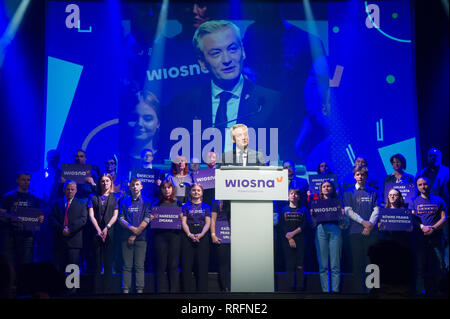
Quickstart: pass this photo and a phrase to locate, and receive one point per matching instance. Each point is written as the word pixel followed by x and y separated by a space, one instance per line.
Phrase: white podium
pixel 252 190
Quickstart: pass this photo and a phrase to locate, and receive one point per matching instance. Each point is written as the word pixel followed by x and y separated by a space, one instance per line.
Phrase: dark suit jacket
pixel 254 158
pixel 103 213
pixel 77 216
pixel 257 109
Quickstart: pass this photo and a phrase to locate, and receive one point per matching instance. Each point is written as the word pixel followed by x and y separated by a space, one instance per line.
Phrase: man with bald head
pixel 429 210
pixel 438 176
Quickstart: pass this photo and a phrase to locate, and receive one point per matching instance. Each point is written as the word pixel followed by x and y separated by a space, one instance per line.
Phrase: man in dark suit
pixel 67 219
pixel 229 97
pixel 242 155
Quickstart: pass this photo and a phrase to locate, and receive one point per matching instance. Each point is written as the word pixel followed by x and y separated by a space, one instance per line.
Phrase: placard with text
pixel 395 219
pixel 326 210
pixel 166 217
pixel 76 172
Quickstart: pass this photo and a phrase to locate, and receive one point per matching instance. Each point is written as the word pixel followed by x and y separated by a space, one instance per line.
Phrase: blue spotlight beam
pixel 11 30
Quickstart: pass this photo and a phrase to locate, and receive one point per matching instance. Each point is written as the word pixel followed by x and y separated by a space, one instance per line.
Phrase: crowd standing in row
pixel 103 223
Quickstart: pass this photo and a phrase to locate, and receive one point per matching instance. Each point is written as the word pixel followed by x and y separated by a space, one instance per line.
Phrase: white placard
pixel 252 183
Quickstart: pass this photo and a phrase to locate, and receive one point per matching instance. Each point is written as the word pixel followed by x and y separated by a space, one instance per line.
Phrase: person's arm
pixel 215 239
pixel 186 228
pixel 205 228
pixel 111 223
pixel 94 221
pixel 353 215
pixel 123 221
pixel 374 216
pixel 428 230
pixel 290 235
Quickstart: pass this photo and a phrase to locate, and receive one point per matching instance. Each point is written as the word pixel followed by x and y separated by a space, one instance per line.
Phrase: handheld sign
pixel 148 177
pixel 205 177
pixel 408 191
pixel 29 218
pixel 316 180
pixel 326 210
pixel 223 231
pixel 166 217
pixel 76 172
pixel 395 219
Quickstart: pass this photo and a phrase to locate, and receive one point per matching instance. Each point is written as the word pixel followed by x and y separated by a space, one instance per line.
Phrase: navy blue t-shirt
pixel 134 212
pixel 292 218
pixel 223 213
pixel 429 210
pixel 196 213
pixel 15 199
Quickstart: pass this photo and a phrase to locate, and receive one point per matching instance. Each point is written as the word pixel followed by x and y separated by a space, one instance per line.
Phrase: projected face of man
pixel 223 56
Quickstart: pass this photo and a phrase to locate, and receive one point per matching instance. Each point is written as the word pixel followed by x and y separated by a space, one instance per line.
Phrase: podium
pixel 252 190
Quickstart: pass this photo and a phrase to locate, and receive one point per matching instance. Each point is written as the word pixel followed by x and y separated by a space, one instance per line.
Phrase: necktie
pixel 221 115
pixel 66 217
pixel 241 158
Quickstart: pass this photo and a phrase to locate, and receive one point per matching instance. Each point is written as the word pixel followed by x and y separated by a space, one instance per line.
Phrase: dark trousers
pixel 64 256
pixel 194 254
pixel 167 247
pixel 359 248
pixel 224 261
pixel 104 255
pixel 17 247
pixel 294 260
pixel 430 263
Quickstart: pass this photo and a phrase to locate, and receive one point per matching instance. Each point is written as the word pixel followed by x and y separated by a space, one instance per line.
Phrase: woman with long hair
pixel 329 241
pixel 103 212
pixel 395 200
pixel 180 178
pixel 292 221
pixel 167 243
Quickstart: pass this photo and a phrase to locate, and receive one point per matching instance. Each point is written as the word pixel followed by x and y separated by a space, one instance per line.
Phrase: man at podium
pixel 242 155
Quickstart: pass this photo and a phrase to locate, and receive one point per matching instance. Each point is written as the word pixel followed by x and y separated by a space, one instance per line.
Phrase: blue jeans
pixel 329 243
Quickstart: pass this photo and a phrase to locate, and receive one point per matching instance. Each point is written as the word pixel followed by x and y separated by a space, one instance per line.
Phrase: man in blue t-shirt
pixel 15 242
pixel 429 211
pixel 361 205
pixel 134 217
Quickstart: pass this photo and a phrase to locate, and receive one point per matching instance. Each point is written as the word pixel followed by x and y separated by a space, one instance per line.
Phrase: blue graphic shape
pixel 381 31
pixel 380 137
pixel 62 82
pixel 79 28
pixel 407 148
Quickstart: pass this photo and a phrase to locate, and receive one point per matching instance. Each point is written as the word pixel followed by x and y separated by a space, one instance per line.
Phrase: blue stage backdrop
pixel 121 77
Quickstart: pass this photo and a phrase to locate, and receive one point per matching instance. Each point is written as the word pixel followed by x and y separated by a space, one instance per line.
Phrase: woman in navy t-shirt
pixel 395 200
pixel 196 219
pixel 220 211
pixel 167 243
pixel 329 240
pixel 292 222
